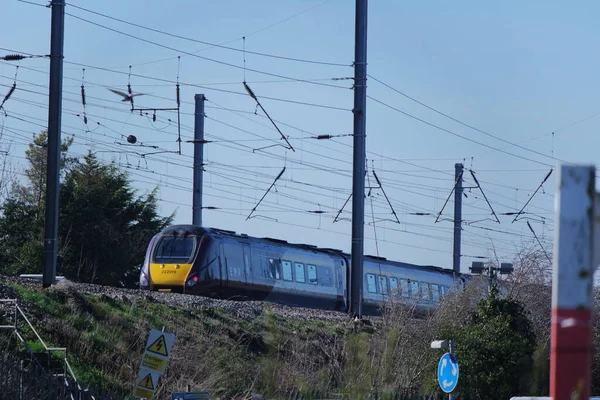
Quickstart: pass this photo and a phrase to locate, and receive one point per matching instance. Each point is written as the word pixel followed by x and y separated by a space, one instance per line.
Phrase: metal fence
pixel 26 380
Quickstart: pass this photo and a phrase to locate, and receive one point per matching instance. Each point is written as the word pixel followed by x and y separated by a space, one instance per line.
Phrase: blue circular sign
pixel 448 372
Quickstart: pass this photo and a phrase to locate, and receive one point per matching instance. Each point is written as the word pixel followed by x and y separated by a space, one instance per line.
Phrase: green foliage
pixel 104 227
pixel 494 350
pixel 21 229
pixel 37 156
pixel 358 368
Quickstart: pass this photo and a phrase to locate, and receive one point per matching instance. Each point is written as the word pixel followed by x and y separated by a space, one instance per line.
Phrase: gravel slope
pixel 243 309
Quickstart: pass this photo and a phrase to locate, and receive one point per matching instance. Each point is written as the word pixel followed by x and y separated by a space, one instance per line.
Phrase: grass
pixel 214 349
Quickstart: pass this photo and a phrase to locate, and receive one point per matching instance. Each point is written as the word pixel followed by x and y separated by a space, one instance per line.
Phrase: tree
pixel 20 237
pixel 7 174
pixel 494 349
pixel 22 219
pixel 104 226
pixel 37 155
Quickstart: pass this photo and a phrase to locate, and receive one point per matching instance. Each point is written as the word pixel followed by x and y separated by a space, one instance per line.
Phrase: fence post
pixel 21 368
pixel 572 279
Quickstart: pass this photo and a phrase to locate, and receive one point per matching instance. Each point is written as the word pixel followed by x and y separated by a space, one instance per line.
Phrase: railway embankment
pixel 247 349
pixel 232 349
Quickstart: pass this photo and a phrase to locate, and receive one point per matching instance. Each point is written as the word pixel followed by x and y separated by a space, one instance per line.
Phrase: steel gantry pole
pixel 458 192
pixel 198 159
pixel 54 127
pixel 358 179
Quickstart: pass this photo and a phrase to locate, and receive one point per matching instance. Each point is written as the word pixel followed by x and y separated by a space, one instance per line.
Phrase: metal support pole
pixel 451 351
pixel 572 278
pixel 458 192
pixel 491 278
pixel 358 177
pixel 54 130
pixel 198 159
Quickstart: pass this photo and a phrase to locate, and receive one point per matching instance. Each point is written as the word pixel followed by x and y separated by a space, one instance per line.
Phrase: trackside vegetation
pixel 242 355
pixel 250 350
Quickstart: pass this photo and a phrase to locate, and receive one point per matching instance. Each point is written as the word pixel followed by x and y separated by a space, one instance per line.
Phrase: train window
pixel 414 290
pixel 383 284
pixel 435 292
pixel 287 270
pixel 325 275
pixel 404 288
pixel 394 286
pixel 425 294
pixel 175 249
pixel 300 272
pixel 273 268
pixel 312 274
pixel 444 290
pixel 371 284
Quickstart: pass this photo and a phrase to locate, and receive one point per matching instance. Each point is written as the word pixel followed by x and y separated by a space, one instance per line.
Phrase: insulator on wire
pixel 131 139
pixel 250 92
pixel 13 57
pixel 323 137
pixel 178 95
pixel 82 95
pixel 154 116
pixel 10 92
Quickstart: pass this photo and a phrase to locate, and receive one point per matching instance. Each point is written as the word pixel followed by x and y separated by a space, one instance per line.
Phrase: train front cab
pixel 179 259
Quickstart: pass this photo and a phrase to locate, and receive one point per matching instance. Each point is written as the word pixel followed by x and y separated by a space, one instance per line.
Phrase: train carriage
pixel 219 263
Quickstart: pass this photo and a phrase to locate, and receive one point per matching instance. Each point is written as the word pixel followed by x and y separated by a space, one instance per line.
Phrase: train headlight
pixel 192 281
pixel 143 280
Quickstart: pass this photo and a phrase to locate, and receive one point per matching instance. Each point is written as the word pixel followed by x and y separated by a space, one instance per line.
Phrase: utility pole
pixel 458 192
pixel 54 130
pixel 358 179
pixel 198 159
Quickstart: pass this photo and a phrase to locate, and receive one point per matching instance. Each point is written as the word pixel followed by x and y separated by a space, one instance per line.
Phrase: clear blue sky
pixel 517 71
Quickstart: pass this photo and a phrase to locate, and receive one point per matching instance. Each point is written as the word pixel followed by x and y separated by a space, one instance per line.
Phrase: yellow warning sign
pixel 147 382
pixel 143 393
pixel 154 363
pixel 159 346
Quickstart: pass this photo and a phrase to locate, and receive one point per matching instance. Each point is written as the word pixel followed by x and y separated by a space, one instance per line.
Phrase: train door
pixel 247 264
pixel 223 266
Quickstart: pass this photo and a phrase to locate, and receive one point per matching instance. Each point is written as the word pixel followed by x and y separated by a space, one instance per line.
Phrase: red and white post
pixel 572 283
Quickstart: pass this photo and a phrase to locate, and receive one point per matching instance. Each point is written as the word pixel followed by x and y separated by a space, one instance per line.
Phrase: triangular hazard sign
pixel 159 346
pixel 147 382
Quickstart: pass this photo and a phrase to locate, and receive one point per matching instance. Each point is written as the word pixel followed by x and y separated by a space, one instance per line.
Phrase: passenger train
pixel 219 263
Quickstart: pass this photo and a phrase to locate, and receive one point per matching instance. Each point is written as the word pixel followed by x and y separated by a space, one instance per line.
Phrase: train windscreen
pixel 175 249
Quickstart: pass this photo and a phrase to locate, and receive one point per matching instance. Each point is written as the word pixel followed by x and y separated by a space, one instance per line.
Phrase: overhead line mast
pixel 57 40
pixel 359 158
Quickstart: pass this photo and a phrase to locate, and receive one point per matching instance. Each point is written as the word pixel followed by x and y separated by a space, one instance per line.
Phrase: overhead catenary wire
pixel 325 106
pixel 386 197
pixel 202 57
pixel 464 123
pixel 273 184
pixel 129 23
pixel 253 95
pixel 540 243
pixel 454 133
pixel 531 197
pixel 374 199
pixel 484 196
